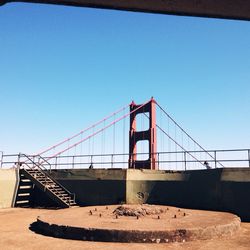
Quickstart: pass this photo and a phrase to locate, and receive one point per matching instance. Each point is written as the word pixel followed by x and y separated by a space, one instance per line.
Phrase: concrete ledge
pixel 100 224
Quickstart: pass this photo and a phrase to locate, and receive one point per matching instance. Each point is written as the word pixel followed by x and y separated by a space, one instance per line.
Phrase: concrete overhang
pixel 228 9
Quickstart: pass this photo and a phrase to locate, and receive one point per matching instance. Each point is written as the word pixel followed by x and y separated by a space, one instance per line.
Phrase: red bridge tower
pixel 149 135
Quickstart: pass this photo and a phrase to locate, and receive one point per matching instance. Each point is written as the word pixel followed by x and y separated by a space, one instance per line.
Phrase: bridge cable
pixel 98 131
pixel 172 139
pixel 83 131
pixel 186 133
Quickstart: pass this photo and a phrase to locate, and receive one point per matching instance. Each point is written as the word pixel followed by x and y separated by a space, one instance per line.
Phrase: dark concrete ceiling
pixel 229 9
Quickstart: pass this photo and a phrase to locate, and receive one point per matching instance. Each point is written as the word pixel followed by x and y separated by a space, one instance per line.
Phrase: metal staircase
pixel 35 173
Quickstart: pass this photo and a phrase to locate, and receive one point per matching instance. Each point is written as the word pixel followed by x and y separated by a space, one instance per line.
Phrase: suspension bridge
pixel 134 136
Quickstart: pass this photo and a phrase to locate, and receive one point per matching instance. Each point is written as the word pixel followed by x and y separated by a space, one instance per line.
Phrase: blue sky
pixel 63 68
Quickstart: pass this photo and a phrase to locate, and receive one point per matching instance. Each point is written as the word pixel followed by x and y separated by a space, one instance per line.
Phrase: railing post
pixel 1 160
pixel 112 156
pixel 215 161
pixel 158 159
pixel 50 168
pixel 18 160
pixel 56 163
pixel 249 157
pixel 185 160
pixel 33 159
pixel 91 160
pixel 73 161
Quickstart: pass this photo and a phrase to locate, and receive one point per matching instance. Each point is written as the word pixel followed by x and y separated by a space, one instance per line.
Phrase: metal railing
pixel 40 163
pixel 180 160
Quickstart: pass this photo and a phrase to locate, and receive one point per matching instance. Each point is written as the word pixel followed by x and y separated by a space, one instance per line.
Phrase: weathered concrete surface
pixel 15 234
pixel 99 223
pixel 8 182
pixel 94 186
pixel 142 184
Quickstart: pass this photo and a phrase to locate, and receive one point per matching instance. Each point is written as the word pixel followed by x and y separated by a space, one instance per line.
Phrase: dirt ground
pixel 15 234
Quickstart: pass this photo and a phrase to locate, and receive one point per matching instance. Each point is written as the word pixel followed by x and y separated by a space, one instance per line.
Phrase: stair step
pixel 46 182
pixel 23 194
pixel 25 187
pixel 67 199
pixel 41 180
pixel 23 202
pixel 56 191
pixel 25 180
pixel 60 192
pixel 51 185
pixel 38 176
pixel 62 195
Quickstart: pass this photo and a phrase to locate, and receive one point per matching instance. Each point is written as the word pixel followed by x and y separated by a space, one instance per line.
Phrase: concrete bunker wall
pixel 8 184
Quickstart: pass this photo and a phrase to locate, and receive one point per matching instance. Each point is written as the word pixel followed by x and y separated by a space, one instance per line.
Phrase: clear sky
pixel 63 68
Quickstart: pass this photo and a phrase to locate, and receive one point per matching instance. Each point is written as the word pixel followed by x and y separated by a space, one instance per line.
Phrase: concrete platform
pixel 162 224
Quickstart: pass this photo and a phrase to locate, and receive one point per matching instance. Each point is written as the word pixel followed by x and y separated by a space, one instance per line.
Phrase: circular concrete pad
pixel 137 223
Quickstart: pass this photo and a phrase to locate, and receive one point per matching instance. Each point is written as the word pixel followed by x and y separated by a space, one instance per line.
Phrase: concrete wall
pixel 216 189
pixel 8 182
pixel 94 186
pixel 147 186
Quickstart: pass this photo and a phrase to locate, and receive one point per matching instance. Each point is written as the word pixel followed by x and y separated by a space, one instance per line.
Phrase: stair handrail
pixel 44 161
pixel 45 173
